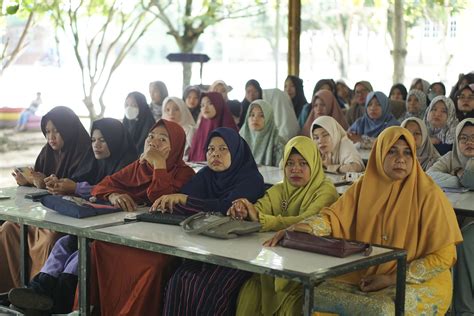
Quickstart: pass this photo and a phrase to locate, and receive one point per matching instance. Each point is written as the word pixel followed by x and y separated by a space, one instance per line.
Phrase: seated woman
pixel 398 92
pixel 68 147
pixel 376 118
pixel 338 153
pixel 214 114
pixel 421 85
pixel 158 92
pixel 465 102
pixel 138 119
pixel 117 284
pixel 394 204
pixel 175 110
pixel 456 168
pixel 191 97
pixel 426 153
pixel 324 103
pixel 415 105
pixel 441 121
pixel 253 92
pixel 261 134
pixel 285 118
pixel 231 174
pixel 305 190
pixel 53 288
pixel 294 89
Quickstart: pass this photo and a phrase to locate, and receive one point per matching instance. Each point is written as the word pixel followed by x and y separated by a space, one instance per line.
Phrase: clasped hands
pixel 243 209
pixel 57 186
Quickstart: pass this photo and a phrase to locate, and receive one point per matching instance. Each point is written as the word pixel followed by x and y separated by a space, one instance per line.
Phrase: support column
pixel 294 30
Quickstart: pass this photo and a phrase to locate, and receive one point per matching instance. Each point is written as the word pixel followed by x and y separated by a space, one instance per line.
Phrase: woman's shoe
pixel 26 298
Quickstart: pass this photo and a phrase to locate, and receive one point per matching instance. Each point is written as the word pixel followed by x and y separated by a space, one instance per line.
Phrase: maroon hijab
pixel 223 118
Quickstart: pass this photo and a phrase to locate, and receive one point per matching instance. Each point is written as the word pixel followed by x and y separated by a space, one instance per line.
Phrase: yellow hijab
pixel 287 200
pixel 413 213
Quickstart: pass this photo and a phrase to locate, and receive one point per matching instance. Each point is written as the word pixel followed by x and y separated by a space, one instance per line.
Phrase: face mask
pixel 131 112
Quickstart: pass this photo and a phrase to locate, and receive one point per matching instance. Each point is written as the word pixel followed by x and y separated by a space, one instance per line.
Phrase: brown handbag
pixel 335 247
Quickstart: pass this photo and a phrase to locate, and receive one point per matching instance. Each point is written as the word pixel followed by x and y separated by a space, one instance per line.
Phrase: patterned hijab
pixel 426 153
pixel 262 143
pixel 372 128
pixel 77 149
pixel 332 109
pixel 421 97
pixel 223 118
pixel 396 213
pixel 447 133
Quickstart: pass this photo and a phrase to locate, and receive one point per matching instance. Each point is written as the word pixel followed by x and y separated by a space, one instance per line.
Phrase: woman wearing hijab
pixel 415 105
pixel 253 92
pixel 192 96
pixel 456 168
pixel 398 92
pixel 324 103
pixel 337 150
pixel 158 92
pixel 426 153
pixel 175 110
pixel 261 134
pixel 357 109
pixel 54 287
pixel 117 283
pixel 68 147
pixel 377 117
pixel 285 118
pixel 138 119
pixel 441 121
pixel 465 102
pixel 323 84
pixel 464 274
pixel 231 174
pixel 393 204
pixel 421 85
pixel 214 114
pixel 294 88
pixel 305 190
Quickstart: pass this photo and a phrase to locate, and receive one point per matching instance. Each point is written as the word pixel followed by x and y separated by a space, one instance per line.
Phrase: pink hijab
pixel 223 118
pixel 332 109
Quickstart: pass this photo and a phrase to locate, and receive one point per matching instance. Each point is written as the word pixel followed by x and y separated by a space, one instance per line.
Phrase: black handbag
pixel 77 207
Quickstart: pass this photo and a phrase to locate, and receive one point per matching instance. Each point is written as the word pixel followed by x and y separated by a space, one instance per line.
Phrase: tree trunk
pixel 187 74
pixel 90 107
pixel 186 45
pixel 399 39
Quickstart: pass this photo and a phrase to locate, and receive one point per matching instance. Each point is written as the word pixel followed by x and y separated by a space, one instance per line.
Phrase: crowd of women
pixel 420 139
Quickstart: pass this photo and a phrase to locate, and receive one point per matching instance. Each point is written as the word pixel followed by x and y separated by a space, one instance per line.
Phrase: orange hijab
pixel 413 213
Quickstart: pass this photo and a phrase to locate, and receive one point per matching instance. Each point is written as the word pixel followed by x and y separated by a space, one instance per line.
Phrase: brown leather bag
pixel 335 247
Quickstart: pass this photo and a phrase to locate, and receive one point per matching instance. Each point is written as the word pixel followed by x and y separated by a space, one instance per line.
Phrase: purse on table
pixel 76 207
pixel 330 246
pixel 218 226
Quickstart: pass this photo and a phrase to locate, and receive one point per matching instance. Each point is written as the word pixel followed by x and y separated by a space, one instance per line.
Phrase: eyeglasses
pixel 463 139
pixel 466 97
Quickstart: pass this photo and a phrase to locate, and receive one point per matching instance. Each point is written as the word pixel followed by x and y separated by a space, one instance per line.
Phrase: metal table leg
pixel 84 264
pixel 401 283
pixel 24 255
pixel 308 299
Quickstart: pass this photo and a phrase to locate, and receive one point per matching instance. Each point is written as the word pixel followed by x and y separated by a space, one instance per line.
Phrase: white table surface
pixel 248 249
pixel 462 201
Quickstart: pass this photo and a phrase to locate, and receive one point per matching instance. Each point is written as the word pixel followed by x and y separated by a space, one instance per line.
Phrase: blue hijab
pixel 372 128
pixel 241 180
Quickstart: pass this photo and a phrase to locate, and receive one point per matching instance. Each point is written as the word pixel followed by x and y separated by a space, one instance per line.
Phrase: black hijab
pixel 139 127
pixel 77 144
pixel 122 152
pixel 299 100
pixel 246 103
pixel 401 88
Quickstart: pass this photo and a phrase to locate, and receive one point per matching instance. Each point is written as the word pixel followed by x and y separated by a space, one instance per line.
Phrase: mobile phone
pixel 36 195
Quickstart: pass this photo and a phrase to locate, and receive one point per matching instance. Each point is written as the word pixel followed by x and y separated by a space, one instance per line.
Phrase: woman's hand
pixel 20 178
pixel 62 187
pixel 37 178
pixel 167 202
pixel 373 283
pixel 272 242
pixel 435 140
pixel 123 201
pixel 356 138
pixel 50 181
pixel 243 208
pixel 327 160
pixel 156 156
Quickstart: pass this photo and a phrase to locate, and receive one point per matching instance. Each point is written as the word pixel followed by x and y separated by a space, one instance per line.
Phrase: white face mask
pixel 131 112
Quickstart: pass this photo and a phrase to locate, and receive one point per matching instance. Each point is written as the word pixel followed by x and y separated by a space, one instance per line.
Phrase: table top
pixel 21 210
pixel 462 201
pixel 244 252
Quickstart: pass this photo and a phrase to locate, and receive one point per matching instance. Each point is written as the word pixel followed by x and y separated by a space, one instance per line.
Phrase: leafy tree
pixel 186 24
pixel 103 32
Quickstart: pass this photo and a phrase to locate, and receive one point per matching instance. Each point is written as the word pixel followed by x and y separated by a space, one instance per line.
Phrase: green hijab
pixel 284 204
pixel 266 145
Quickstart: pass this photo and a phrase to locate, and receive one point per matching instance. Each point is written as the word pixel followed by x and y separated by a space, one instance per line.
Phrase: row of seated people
pixel 409 205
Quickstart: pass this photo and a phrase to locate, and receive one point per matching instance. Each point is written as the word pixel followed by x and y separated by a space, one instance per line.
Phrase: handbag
pixel 330 246
pixel 76 207
pixel 218 226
